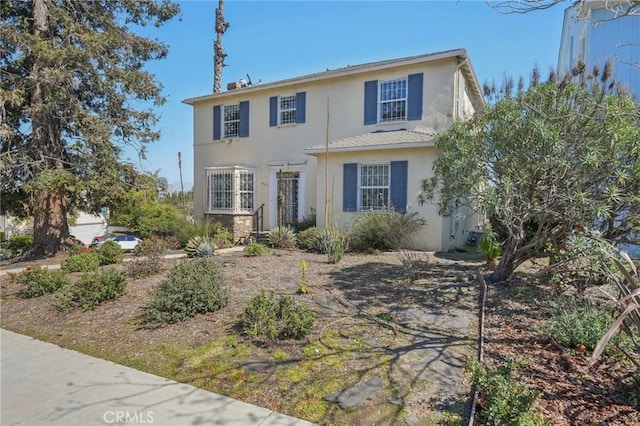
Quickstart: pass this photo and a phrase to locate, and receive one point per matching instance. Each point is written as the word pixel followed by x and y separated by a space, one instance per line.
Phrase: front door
pixel 287 198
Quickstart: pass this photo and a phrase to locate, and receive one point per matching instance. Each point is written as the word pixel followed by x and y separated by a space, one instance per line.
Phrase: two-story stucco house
pixel 371 126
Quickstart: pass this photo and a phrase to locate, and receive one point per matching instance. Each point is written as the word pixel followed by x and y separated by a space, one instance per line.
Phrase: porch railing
pixel 258 220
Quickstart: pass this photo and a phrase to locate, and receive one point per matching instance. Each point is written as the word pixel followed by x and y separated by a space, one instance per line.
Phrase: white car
pixel 126 242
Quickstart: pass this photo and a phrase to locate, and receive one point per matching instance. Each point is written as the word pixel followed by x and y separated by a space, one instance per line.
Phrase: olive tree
pixel 545 163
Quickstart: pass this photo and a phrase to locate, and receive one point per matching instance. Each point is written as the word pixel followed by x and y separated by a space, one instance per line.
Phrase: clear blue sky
pixel 272 40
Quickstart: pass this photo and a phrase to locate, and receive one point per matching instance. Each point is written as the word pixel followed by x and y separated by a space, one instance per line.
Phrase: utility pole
pixel 326 172
pixel 218 51
pixel 182 195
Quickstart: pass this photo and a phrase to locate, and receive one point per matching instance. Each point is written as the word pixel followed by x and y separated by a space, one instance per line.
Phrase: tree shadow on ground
pixel 422 308
pixel 384 285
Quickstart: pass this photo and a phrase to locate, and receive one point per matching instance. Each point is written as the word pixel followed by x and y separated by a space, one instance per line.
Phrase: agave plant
pixel 199 247
pixel 282 237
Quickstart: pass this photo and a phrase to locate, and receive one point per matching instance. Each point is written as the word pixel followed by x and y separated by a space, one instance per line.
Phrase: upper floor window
pixel 392 100
pixel 287 110
pixel 389 101
pixel 231 122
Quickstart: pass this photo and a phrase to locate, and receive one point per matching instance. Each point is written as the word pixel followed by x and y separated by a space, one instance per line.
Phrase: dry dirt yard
pixel 405 332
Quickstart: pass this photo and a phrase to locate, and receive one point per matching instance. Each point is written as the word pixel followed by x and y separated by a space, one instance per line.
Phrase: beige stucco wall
pixel 343 97
pixel 435 235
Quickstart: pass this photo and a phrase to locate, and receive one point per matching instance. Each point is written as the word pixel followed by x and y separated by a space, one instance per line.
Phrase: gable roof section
pixel 391 139
pixel 461 54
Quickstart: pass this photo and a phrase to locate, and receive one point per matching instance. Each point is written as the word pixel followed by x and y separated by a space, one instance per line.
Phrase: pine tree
pixel 72 96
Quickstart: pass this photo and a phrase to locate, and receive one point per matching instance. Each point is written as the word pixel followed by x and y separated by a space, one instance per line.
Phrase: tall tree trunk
pixel 50 227
pixel 509 261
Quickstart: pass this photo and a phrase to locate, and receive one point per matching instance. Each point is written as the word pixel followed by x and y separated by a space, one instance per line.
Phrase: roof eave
pixel 340 72
pixel 318 151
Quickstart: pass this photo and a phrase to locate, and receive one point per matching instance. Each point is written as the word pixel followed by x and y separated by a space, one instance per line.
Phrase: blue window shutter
pixel 350 187
pixel 243 131
pixel 399 173
pixel 371 102
pixel 301 108
pixel 273 111
pixel 414 95
pixel 217 121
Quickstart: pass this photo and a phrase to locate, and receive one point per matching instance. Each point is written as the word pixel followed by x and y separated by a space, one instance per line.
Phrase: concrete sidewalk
pixel 43 384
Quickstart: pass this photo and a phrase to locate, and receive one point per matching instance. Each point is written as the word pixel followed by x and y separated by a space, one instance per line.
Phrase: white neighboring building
pixel 12 226
pixel 594 31
pixel 88 226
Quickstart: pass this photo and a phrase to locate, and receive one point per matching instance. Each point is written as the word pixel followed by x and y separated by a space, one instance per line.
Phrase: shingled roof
pixel 378 140
pixel 352 69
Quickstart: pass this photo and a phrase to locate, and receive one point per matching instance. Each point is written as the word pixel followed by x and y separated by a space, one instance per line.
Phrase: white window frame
pixel 234 124
pixel 391 96
pixel 282 111
pixel 237 194
pixel 362 187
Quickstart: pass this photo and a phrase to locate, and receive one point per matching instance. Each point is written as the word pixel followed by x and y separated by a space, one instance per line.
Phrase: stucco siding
pixel 420 163
pixel 341 98
pixel 334 110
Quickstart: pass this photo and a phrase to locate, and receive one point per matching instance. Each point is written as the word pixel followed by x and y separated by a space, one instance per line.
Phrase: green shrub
pixel 503 400
pixel 220 236
pixel 150 256
pixel 579 323
pixel 148 216
pixel 79 248
pixel 308 221
pixel 272 317
pixel 489 247
pixel 92 289
pixel 383 231
pixel 585 260
pixel 282 237
pixel 156 246
pixel 140 267
pixel 296 321
pixel 335 243
pixel 256 249
pixel 81 262
pixel 110 253
pixel 194 286
pixel 37 281
pixel 309 238
pixel 17 243
pixel 633 389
